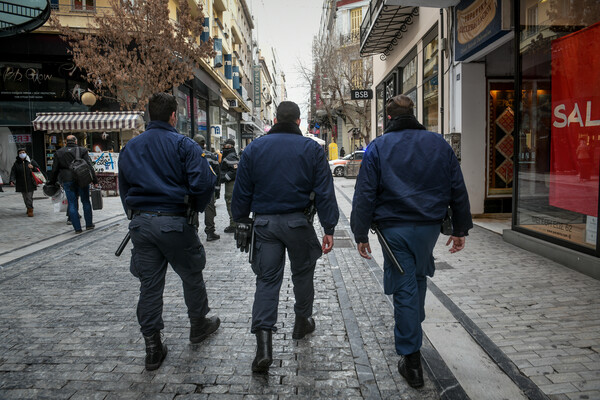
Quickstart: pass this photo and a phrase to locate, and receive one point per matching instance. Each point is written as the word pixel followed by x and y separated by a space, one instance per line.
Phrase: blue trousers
pixel 413 247
pixel 158 241
pixel 274 234
pixel 71 191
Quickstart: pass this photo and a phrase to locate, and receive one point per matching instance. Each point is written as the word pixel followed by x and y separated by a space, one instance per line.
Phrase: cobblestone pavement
pixel 68 327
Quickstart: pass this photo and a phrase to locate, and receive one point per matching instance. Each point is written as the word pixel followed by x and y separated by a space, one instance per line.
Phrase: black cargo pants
pixel 158 241
pixel 274 234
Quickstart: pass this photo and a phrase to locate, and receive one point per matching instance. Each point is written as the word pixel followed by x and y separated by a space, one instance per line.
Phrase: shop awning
pixel 89 121
pixel 383 25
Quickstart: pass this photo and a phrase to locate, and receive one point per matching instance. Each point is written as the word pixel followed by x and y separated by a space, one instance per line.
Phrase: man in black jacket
pixel 211 211
pixel 62 170
pixel 229 166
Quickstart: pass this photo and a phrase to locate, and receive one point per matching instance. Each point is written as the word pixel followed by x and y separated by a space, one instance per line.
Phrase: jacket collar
pixel 286 127
pixel 403 122
pixel 155 124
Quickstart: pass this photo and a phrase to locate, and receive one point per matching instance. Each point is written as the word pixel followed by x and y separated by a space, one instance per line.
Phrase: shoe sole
pixel 199 339
pixel 262 366
pixel 154 367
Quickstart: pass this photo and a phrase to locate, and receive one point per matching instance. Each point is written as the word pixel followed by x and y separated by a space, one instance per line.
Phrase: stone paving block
pixel 558 388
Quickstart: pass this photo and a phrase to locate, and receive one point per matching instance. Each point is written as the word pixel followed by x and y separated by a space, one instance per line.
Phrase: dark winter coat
pixel 229 165
pixel 62 164
pixel 21 175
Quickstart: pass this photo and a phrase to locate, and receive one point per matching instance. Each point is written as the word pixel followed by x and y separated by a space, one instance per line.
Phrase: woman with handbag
pixel 21 174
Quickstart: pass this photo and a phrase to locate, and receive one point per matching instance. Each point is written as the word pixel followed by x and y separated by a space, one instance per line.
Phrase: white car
pixel 337 166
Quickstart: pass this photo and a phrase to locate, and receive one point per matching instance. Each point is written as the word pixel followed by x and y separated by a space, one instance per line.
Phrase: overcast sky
pixel 289 26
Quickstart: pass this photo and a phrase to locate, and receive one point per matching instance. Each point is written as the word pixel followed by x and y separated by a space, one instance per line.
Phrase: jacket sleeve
pixel 13 173
pixel 459 201
pixel 365 195
pixel 201 178
pixel 243 189
pixel 325 200
pixel 123 183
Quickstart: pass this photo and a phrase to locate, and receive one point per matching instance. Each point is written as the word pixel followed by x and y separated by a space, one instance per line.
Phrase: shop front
pixel 102 133
pixel 558 130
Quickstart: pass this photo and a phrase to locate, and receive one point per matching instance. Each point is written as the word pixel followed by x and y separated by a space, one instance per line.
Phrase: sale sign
pixel 575 148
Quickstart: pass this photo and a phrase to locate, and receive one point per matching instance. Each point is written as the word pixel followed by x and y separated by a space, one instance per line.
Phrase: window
pixel 355 22
pixel 380 106
pixel 408 77
pixel 356 73
pixel 532 20
pixel 54 4
pixel 430 82
pixel 84 5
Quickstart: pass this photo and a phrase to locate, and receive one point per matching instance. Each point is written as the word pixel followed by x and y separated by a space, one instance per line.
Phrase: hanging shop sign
pixel 574 157
pixel 479 23
pixel 257 86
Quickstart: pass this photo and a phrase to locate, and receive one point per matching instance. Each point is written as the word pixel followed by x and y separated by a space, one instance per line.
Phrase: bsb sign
pixel 361 94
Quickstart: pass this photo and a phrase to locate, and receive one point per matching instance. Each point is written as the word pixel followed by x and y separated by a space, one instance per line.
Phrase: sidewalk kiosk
pixel 102 133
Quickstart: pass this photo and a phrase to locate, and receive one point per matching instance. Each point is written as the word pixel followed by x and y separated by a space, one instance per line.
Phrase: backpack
pixel 82 174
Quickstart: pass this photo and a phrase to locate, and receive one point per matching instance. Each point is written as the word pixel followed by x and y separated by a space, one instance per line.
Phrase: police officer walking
pixel 276 185
pixel 158 170
pixel 211 211
pixel 406 181
pixel 229 166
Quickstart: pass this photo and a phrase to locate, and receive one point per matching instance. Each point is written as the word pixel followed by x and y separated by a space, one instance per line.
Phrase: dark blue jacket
pixel 159 167
pixel 278 171
pixel 409 176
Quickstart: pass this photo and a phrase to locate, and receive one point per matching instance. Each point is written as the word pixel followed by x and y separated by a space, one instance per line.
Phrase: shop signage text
pixel 18 74
pixel 26 138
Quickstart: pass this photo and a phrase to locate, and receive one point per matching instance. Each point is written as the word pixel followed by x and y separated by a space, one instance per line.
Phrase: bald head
pixel 71 139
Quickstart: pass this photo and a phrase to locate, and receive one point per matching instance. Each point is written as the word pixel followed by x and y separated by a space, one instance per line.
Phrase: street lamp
pixel 88 99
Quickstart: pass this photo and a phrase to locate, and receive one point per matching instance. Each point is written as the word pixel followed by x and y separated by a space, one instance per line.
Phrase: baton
pixel 252 240
pixel 387 249
pixel 123 244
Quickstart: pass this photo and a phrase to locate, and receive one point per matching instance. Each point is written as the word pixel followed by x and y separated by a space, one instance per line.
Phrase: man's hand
pixel 243 234
pixel 457 245
pixel 30 166
pixel 327 244
pixel 364 249
pixel 12 183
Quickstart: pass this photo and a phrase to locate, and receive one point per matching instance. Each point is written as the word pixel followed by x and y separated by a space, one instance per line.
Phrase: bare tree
pixel 338 68
pixel 134 50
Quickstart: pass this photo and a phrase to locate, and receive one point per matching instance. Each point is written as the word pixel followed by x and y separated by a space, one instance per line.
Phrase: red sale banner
pixel 575 140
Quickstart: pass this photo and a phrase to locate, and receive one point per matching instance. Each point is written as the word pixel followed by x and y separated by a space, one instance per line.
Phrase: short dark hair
pixel 399 105
pixel 161 106
pixel 288 111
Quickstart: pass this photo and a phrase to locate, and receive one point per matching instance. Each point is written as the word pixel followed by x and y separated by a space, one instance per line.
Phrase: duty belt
pixel 160 213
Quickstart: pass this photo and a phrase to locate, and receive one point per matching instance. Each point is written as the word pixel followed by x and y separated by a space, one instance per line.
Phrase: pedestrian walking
pixel 62 171
pixel 211 211
pixel 153 191
pixel 21 176
pixel 342 152
pixel 229 167
pixel 406 181
pixel 277 185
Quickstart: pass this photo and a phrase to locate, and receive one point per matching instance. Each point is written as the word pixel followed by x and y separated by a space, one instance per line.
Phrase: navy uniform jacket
pixel 159 167
pixel 278 171
pixel 409 176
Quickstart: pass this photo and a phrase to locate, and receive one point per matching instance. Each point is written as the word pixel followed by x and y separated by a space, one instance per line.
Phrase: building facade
pixel 484 74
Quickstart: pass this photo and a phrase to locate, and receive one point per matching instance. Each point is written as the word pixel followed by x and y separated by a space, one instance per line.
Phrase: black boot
pixel 410 368
pixel 201 328
pixel 156 351
pixel 303 326
pixel 210 236
pixel 264 351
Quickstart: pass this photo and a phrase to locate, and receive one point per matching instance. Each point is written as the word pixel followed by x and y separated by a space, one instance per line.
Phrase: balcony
pixel 384 23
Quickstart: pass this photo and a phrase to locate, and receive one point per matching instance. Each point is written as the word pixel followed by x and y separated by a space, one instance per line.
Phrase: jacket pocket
pixel 261 222
pixel 172 227
pixel 298 223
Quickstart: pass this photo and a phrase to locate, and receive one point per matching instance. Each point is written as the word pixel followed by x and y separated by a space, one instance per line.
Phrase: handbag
pixel 446 228
pixel 38 177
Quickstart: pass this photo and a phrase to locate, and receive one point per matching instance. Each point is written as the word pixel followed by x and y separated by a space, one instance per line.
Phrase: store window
pixel 184 119
pixel 389 92
pixel 558 131
pixel 408 77
pixel 430 81
pixel 379 103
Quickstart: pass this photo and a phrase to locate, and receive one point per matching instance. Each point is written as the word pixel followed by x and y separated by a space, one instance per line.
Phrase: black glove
pixel 243 234
pixel 217 194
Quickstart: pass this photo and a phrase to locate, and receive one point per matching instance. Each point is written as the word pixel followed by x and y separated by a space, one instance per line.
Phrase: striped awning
pixel 89 121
